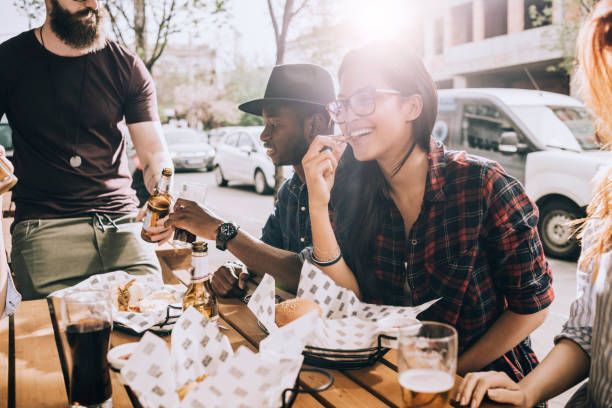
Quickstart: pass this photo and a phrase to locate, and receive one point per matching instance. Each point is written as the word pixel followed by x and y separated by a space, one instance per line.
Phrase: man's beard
pixel 76 32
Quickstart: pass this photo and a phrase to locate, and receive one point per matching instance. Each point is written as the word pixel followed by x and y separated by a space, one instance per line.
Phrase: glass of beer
pixel 193 192
pixel 87 322
pixel 427 362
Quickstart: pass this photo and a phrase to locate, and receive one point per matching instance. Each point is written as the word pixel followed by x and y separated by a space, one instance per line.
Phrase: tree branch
pixel 299 9
pixel 274 22
pixel 115 27
pixel 122 11
pixel 163 31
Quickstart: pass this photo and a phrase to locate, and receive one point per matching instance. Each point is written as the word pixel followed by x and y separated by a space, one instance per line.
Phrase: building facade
pixel 496 43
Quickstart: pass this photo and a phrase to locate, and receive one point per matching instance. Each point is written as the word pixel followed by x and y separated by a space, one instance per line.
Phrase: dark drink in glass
pixel 87 323
pixel 90 379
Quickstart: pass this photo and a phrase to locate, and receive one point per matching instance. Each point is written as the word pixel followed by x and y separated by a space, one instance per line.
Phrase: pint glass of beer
pixel 193 192
pixel 427 362
pixel 87 322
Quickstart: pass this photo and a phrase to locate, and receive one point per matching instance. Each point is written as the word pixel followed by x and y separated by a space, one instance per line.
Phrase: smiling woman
pixel 412 221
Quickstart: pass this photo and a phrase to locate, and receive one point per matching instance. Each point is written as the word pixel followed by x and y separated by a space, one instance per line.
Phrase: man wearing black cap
pixel 293 109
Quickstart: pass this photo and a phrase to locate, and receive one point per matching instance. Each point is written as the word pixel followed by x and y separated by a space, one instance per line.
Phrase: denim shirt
pixel 288 227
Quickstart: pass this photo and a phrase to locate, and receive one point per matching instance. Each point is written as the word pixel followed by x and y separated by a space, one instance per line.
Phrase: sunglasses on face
pixel 362 103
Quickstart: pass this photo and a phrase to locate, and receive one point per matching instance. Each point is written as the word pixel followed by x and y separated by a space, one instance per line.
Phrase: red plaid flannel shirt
pixel 475 244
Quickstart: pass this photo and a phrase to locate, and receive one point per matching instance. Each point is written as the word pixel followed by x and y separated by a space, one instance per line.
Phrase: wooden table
pixel 31 372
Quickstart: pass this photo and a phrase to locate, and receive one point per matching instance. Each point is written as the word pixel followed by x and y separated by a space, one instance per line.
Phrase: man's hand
pixel 160 233
pixel 230 280
pixel 141 213
pixel 2 153
pixel 200 221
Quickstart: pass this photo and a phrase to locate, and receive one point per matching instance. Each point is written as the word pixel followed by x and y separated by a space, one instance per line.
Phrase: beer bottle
pixel 199 293
pixel 158 205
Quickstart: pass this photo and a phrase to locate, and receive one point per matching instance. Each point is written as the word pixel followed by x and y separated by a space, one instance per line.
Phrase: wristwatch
pixel 226 232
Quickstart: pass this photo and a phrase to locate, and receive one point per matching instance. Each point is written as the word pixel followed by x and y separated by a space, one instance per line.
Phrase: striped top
pixel 589 325
pixel 12 297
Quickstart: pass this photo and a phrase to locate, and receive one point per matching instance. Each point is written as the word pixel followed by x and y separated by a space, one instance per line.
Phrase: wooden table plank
pixel 344 391
pixel 37 364
pixel 4 362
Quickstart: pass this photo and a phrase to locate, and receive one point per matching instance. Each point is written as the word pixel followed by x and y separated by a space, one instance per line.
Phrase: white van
pixel 545 140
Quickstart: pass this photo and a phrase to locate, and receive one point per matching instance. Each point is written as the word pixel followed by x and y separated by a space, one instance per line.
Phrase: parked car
pixel 216 134
pixel 188 148
pixel 6 137
pixel 241 157
pixel 545 140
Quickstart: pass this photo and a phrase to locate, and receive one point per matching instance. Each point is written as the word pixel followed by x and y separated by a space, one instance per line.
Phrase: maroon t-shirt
pixel 58 106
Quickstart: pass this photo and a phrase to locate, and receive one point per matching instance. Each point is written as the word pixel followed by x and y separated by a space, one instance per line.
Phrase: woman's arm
pixel 320 164
pixel 565 366
pixel 507 331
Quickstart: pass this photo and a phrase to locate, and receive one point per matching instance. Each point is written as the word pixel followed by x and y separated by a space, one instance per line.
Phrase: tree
pixel 280 36
pixel 204 103
pixel 134 22
pixel 574 13
pixel 33 9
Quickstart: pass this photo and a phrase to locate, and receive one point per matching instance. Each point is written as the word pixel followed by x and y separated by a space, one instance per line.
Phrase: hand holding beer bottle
pixel 7 178
pixel 157 208
pixel 197 194
pixel 427 362
pixel 198 220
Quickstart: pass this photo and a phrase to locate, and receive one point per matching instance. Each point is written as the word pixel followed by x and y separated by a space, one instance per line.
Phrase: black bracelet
pixel 323 263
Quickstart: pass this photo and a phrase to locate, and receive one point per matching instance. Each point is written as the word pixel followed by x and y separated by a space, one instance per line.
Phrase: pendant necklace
pixel 75 160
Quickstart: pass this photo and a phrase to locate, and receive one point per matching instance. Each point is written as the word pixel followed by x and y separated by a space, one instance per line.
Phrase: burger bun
pixel 292 309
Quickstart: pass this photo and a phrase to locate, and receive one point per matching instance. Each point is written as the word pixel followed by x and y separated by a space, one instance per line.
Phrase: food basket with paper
pixel 139 302
pixel 349 334
pixel 202 370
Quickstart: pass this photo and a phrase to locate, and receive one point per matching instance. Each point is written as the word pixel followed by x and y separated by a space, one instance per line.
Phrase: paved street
pixel 250 211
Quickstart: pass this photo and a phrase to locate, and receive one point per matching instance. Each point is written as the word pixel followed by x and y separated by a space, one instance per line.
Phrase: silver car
pixel 188 149
pixel 241 157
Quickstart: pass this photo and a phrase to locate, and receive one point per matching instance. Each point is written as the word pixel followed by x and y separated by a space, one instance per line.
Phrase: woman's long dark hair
pixel 357 198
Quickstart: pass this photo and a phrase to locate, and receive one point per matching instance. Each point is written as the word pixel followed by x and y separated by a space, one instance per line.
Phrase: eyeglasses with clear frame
pixel 362 103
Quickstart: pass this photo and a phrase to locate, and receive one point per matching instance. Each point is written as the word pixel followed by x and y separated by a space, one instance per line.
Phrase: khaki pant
pixel 48 255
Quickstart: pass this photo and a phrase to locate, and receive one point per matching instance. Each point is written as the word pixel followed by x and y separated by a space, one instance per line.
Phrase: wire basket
pixel 290 394
pixel 163 328
pixel 346 359
pixel 352 359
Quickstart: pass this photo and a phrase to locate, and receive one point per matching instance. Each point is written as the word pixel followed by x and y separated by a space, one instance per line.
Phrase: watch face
pixel 227 229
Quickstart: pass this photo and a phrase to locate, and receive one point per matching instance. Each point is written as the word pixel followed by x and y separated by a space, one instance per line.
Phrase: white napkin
pixel 348 323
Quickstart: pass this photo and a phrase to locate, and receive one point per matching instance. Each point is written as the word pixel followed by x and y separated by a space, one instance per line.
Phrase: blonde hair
pixel 595 80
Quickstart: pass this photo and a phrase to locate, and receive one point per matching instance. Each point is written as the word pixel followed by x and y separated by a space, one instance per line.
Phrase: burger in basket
pixel 292 309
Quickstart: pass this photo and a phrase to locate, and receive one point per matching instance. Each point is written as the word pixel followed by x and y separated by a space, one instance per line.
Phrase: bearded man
pixel 64 88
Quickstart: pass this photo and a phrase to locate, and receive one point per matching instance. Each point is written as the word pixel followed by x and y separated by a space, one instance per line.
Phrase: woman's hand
pixel 320 164
pixel 496 385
